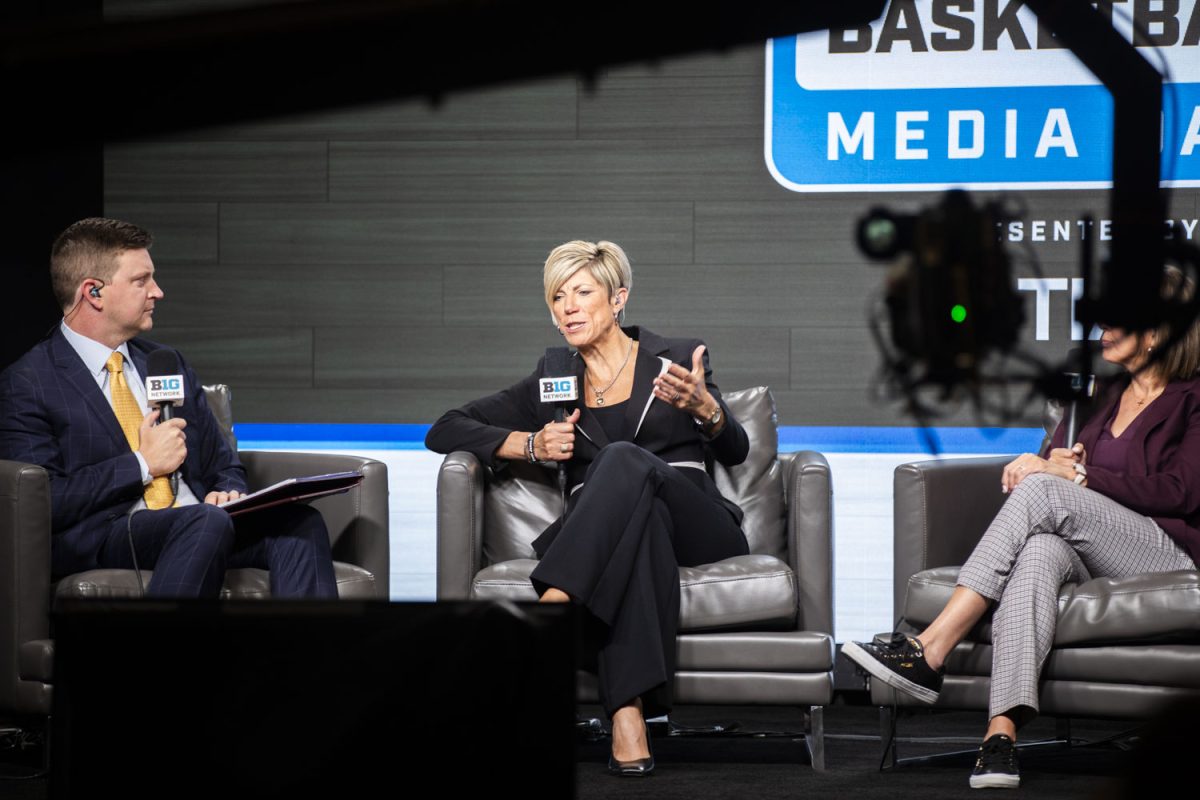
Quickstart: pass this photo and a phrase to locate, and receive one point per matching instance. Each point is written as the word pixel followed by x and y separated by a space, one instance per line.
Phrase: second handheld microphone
pixel 164 388
pixel 560 386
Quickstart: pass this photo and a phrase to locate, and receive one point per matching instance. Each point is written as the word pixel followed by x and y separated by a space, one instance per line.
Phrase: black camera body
pixel 950 297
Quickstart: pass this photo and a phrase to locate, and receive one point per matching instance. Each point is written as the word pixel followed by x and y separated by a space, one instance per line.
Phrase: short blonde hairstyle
pixel 1182 361
pixel 606 261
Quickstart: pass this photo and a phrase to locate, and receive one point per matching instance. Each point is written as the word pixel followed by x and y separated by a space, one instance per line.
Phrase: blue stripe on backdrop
pixel 330 436
pixel 950 441
pixel 947 441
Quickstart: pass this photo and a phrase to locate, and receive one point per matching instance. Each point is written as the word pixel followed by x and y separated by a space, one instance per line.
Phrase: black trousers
pixel 636 520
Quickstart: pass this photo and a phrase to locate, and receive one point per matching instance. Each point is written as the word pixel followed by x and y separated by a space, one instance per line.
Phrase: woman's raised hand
pixel 683 389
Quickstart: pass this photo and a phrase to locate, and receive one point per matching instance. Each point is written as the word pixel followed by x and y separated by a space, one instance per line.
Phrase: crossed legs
pixel 1049 532
pixel 636 520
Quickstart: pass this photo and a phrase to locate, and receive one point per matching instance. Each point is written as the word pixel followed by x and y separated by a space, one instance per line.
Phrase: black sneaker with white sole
pixel 996 767
pixel 898 661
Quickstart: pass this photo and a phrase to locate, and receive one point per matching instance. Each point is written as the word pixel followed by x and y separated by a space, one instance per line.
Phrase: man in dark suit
pixel 75 405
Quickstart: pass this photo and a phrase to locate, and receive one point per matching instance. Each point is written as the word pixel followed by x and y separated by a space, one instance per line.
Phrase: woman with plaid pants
pixel 1123 500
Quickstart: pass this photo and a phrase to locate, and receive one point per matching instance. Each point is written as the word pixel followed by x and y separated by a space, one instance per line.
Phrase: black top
pixel 612 420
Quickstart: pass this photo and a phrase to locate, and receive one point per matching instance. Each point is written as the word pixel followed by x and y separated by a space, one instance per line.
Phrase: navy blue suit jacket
pixel 54 415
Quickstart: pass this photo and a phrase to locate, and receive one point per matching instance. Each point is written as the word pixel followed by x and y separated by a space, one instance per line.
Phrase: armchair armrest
pixel 940 510
pixel 24 579
pixel 809 492
pixel 460 486
pixel 357 520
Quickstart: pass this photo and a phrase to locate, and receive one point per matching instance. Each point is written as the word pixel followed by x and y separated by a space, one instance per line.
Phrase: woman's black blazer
pixel 481 426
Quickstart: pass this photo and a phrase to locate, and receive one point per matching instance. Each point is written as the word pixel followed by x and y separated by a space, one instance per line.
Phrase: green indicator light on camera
pixel 958 313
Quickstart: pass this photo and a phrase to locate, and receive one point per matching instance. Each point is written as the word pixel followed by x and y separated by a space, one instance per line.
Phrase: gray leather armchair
pixel 1124 648
pixel 358 530
pixel 755 629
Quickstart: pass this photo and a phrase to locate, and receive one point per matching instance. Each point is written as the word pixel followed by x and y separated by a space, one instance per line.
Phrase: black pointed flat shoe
pixel 638 767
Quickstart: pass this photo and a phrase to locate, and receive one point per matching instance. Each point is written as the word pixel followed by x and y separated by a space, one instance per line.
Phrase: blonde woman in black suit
pixel 641 503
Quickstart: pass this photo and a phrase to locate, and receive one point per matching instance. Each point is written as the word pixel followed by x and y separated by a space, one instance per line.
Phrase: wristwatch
pixel 712 422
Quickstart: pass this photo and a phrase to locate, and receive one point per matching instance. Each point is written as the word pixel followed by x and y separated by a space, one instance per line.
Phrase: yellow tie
pixel 129 414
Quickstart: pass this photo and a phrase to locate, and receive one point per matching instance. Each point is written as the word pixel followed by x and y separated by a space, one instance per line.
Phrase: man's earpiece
pixel 94 291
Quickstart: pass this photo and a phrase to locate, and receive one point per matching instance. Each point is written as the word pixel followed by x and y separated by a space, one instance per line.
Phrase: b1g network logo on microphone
pixel 554 390
pixel 968 93
pixel 164 388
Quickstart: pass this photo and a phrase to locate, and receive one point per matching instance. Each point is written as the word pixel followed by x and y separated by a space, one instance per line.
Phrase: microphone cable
pixel 560 415
pixel 133 550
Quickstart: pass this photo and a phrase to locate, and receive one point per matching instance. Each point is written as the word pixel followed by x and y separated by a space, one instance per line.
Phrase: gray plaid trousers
pixel 1050 532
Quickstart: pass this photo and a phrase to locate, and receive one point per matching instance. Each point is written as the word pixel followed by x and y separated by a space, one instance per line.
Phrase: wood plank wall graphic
pixel 383 263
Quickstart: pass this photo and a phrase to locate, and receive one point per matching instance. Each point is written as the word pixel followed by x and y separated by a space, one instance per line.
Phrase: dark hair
pixel 89 248
pixel 1182 361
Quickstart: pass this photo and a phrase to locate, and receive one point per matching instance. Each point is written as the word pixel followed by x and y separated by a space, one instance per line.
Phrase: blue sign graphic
pixel 913 119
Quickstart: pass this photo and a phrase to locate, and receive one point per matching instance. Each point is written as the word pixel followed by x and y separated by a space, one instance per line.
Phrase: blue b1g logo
pixel 554 390
pixel 166 384
pixel 938 94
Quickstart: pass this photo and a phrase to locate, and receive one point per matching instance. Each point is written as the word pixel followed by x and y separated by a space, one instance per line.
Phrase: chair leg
pixel 887 737
pixel 814 736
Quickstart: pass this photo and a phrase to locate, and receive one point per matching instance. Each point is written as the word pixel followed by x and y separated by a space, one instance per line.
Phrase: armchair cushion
pixel 745 591
pixel 521 501
pixel 353 582
pixel 1143 664
pixel 1157 607
pixel 753 651
pixel 756 484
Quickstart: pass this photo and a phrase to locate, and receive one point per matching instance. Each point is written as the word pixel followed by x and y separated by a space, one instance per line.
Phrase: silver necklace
pixel 600 392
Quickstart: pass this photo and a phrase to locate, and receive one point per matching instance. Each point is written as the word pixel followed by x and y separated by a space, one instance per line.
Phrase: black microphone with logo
pixel 164 388
pixel 1083 387
pixel 559 386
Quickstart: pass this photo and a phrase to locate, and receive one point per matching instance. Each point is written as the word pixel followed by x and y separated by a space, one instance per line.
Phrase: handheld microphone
pixel 164 382
pixel 559 386
pixel 1082 386
pixel 164 388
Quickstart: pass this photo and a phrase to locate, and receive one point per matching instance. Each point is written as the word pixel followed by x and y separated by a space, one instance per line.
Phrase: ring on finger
pixel 564 447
